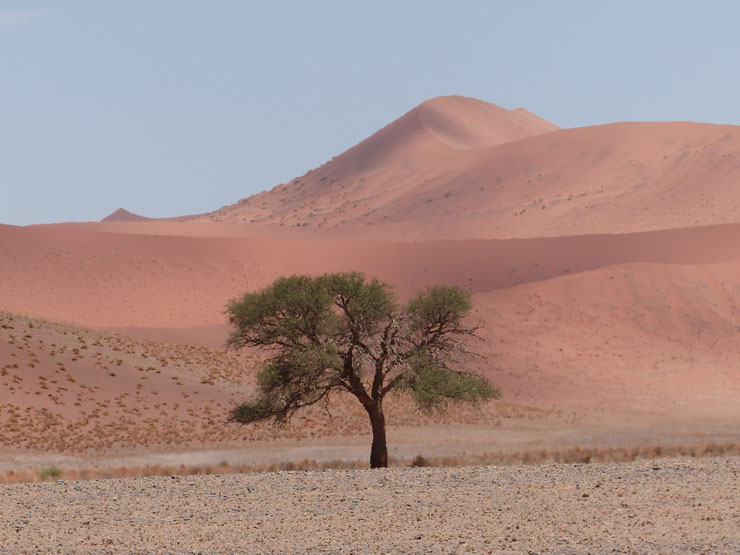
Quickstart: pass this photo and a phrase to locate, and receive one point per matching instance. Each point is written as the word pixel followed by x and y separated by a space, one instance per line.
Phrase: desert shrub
pixel 420 461
pixel 51 473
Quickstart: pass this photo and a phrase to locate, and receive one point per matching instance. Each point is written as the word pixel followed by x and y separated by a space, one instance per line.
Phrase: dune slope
pixel 416 148
pixel 444 173
pixel 115 280
pixel 635 322
pixel 658 339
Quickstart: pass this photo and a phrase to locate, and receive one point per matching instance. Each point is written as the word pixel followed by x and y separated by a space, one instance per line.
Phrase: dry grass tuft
pixel 569 456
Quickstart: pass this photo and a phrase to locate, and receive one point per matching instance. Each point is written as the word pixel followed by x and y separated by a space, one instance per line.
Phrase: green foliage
pixel 263 408
pixel 297 378
pixel 292 308
pixel 431 385
pixel 364 304
pixel 443 305
pixel 52 472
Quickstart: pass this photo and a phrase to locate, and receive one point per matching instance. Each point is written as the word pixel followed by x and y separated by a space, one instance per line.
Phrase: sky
pixel 173 107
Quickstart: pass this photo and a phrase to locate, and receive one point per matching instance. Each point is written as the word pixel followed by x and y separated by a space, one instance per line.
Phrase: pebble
pixel 690 505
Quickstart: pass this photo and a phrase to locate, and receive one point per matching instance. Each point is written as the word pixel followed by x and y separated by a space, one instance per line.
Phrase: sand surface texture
pixel 658 506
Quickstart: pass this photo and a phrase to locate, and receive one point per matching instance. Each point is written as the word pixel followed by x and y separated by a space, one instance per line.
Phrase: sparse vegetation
pixel 50 473
pixel 420 461
pixel 575 455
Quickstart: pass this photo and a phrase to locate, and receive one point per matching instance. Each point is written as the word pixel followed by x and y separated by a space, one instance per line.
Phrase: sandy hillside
pixel 66 388
pixel 455 168
pixel 460 168
pixel 135 280
pixel 414 149
pixel 626 331
pixel 94 395
pixel 657 339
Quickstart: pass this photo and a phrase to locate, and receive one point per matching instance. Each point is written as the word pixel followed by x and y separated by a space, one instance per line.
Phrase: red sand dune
pixel 635 321
pixel 122 215
pixel 68 388
pixel 661 338
pixel 641 323
pixel 115 280
pixel 415 181
pixel 416 148
pixel 458 168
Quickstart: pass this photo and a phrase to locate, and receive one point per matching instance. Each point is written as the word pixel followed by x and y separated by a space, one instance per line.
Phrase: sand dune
pixel 122 215
pixel 460 168
pixel 116 280
pixel 616 178
pixel 659 339
pixel 66 388
pixel 418 147
pixel 643 322
pixel 467 123
pixel 627 346
pixel 74 390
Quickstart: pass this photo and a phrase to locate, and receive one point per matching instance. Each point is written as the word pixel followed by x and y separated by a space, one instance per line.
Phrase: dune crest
pixel 467 123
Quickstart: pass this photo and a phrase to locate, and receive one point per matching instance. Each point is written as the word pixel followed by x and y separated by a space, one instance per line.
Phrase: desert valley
pixel 603 263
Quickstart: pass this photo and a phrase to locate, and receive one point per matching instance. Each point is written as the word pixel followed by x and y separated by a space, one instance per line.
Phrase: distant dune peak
pixel 122 215
pixel 396 164
pixel 468 123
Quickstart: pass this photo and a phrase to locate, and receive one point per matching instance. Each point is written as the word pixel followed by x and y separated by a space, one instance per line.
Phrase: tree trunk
pixel 379 450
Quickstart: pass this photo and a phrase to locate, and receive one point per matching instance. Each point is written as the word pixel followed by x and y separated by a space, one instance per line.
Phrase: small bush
pixel 420 461
pixel 52 472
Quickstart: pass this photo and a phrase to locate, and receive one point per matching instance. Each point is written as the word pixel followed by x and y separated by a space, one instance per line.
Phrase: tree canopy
pixel 341 332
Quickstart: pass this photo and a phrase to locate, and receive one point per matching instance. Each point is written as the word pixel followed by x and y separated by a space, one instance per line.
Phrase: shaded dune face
pixel 466 123
pixel 122 215
pixel 118 280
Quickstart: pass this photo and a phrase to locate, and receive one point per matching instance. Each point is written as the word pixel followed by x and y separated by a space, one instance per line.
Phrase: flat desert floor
pixel 659 506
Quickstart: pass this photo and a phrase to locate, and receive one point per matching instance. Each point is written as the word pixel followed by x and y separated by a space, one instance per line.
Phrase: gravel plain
pixel 659 505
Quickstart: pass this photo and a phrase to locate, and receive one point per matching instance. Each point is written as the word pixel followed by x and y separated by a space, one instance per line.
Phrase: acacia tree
pixel 339 332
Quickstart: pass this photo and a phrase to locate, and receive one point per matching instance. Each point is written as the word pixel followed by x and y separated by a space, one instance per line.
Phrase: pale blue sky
pixel 174 107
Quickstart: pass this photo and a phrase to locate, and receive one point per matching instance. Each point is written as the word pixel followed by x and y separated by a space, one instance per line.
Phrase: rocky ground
pixel 659 505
